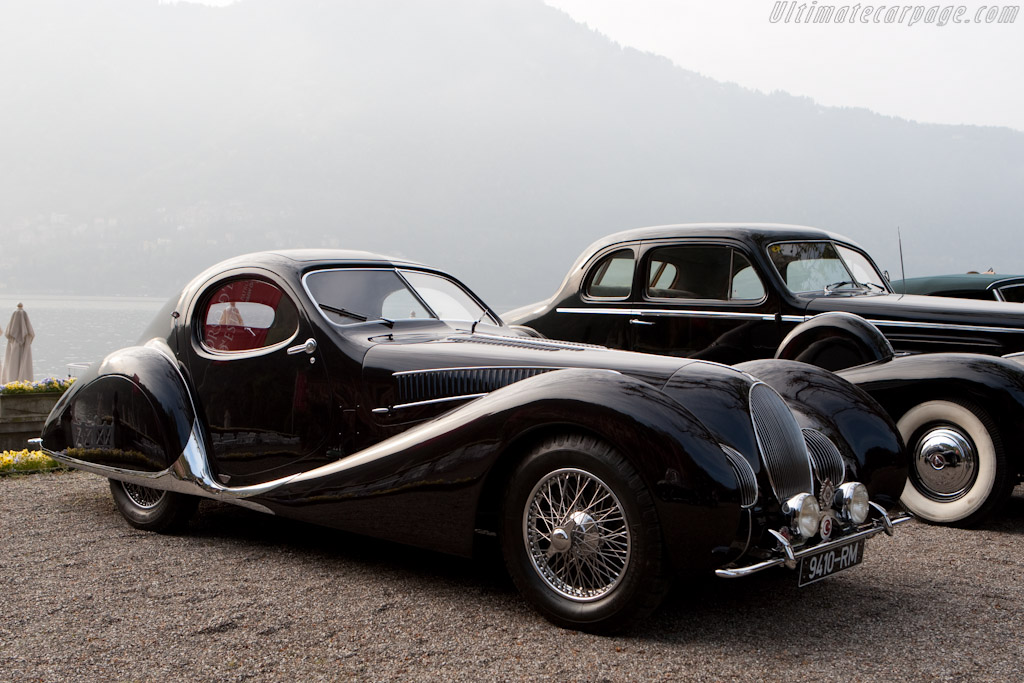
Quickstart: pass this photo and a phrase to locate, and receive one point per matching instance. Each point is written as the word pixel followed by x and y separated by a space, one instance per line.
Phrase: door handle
pixel 635 321
pixel 309 346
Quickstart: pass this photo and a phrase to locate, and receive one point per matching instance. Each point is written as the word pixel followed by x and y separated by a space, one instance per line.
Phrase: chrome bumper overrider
pixel 788 556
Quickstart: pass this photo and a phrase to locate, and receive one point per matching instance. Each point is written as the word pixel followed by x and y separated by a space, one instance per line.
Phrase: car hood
pixel 406 356
pixel 924 309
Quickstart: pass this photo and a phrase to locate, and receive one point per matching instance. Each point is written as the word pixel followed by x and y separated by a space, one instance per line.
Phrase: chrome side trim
pixel 785 318
pixel 417 404
pixel 189 474
pixel 788 556
pixel 671 313
pixel 942 326
pixel 479 367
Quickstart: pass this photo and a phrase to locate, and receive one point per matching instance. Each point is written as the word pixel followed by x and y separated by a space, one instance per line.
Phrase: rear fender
pixel 132 412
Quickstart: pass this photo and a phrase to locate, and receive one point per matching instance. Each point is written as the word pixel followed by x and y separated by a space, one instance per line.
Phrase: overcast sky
pixel 957 73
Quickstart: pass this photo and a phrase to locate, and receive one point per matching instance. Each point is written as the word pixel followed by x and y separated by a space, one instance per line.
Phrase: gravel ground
pixel 245 596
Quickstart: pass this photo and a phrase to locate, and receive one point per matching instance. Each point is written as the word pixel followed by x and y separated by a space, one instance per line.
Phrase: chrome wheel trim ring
pixel 577 535
pixel 944 463
pixel 142 496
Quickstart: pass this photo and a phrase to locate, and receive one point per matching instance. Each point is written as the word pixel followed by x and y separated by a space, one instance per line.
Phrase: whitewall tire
pixel 958 470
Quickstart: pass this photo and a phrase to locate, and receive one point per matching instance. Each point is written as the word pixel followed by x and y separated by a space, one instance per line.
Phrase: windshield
pixel 824 267
pixel 354 295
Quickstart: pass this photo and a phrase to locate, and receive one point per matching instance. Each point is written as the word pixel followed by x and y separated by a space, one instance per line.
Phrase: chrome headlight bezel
pixel 852 502
pixel 804 515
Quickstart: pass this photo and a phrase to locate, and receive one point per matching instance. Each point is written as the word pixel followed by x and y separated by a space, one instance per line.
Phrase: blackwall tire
pixel 152 509
pixel 580 536
pixel 958 468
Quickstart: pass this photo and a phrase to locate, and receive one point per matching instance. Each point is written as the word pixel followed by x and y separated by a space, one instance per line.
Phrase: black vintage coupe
pixel 733 293
pixel 382 397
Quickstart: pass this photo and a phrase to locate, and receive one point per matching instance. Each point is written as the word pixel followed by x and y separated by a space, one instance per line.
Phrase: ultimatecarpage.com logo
pixel 909 15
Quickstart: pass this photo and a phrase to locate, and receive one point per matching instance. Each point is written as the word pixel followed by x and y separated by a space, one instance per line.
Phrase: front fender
pixel 441 467
pixel 994 384
pixel 835 340
pixel 131 412
pixel 863 430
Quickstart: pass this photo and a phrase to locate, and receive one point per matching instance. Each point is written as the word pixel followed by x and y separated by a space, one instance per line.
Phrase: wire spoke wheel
pixel 152 509
pixel 143 496
pixel 577 534
pixel 581 537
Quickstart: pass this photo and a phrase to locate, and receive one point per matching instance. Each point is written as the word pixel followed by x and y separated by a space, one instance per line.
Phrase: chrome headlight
pixel 804 514
pixel 852 502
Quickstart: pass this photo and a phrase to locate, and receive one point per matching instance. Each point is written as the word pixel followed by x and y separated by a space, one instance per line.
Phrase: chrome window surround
pixel 397 271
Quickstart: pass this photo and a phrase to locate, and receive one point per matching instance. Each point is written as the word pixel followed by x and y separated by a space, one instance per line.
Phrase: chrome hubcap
pixel 143 496
pixel 945 464
pixel 577 534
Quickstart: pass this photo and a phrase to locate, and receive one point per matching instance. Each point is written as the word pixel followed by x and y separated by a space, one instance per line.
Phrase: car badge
pixel 826 496
pixel 826 527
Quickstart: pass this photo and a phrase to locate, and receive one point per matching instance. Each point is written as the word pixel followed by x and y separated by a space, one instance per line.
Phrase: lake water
pixel 72 329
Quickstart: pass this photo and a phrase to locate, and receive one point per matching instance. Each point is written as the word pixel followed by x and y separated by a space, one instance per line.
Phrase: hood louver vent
pixel 524 342
pixel 429 385
pixel 781 442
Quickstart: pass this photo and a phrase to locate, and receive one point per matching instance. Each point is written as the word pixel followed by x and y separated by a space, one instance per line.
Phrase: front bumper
pixel 786 555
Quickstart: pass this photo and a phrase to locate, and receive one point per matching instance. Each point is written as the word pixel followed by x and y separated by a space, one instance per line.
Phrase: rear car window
pixel 612 276
pixel 247 314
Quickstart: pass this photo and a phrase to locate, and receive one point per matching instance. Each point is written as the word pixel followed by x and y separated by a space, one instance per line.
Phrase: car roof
pixel 298 261
pixel 756 233
pixel 760 232
pixel 301 257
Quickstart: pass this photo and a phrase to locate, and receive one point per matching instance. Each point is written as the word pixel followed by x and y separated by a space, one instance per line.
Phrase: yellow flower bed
pixel 26 461
pixel 42 386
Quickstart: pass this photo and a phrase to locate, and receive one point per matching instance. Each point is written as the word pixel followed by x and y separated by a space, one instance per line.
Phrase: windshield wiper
pixel 842 283
pixel 352 314
pixel 345 312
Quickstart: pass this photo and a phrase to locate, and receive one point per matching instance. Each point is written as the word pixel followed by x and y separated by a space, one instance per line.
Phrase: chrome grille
pixel 744 475
pixel 427 385
pixel 781 442
pixel 825 458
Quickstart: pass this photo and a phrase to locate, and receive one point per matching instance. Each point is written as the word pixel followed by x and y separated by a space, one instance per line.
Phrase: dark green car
pixel 987 286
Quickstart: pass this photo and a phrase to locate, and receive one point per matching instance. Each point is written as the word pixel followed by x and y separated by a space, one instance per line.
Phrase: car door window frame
pixel 649 249
pixel 596 262
pixel 200 305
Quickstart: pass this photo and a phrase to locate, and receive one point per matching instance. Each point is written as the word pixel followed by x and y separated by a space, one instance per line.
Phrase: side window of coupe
pixel 612 276
pixel 243 315
pixel 746 283
pixel 700 271
pixel 1013 293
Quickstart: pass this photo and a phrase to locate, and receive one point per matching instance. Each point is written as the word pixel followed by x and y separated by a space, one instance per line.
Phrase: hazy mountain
pixel 495 138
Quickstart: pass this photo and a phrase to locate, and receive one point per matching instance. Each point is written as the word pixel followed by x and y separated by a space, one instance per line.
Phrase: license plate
pixel 827 562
